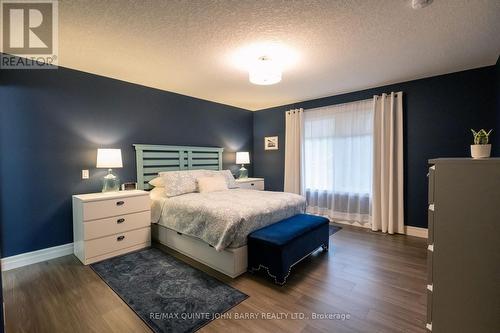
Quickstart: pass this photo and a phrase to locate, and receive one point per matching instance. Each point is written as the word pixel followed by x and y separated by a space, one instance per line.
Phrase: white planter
pixel 480 151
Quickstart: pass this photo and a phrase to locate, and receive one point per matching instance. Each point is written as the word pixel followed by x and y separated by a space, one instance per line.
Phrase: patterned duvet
pixel 224 219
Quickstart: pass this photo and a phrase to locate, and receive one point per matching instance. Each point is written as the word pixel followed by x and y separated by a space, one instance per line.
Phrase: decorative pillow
pixel 181 182
pixel 157 182
pixel 229 178
pixel 212 184
pixel 156 193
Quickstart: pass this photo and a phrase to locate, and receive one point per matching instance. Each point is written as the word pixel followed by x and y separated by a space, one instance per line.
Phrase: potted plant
pixel 480 148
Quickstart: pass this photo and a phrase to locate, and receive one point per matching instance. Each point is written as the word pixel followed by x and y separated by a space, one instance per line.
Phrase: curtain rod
pixel 395 94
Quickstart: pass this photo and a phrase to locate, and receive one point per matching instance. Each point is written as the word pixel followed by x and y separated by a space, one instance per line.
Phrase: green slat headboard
pixel 152 159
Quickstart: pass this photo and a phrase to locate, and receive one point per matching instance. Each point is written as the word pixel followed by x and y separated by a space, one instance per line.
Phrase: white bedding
pixel 225 218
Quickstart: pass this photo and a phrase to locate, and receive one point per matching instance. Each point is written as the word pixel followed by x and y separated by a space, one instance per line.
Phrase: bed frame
pixel 152 159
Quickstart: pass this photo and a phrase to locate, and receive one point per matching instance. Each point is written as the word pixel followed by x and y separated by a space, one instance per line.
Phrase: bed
pixel 209 227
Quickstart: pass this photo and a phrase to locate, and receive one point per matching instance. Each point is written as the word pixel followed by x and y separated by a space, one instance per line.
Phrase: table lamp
pixel 109 158
pixel 243 157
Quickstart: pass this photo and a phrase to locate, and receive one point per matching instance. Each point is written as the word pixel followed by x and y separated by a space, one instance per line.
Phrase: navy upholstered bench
pixel 279 246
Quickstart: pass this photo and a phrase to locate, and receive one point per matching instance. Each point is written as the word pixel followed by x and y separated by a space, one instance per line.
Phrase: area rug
pixel 166 293
pixel 333 229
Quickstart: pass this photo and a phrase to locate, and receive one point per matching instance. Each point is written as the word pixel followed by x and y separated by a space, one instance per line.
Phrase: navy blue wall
pixel 52 122
pixel 438 115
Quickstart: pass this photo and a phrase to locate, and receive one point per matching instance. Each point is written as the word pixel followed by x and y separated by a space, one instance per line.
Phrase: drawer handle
pixel 120 203
pixel 120 220
pixel 120 238
pixel 252 184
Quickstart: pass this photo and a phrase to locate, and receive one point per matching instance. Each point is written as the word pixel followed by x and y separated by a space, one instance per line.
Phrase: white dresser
pixel 109 224
pixel 251 183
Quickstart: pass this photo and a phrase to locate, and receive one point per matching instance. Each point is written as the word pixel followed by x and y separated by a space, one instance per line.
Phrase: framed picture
pixel 271 143
pixel 129 186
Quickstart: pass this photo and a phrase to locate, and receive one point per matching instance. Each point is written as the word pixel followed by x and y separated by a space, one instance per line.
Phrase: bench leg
pixel 325 248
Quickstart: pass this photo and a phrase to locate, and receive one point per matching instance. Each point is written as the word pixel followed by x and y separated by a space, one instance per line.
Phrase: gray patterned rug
pixel 166 293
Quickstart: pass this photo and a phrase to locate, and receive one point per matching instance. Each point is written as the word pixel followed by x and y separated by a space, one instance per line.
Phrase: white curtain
pixel 338 160
pixel 387 190
pixel 293 150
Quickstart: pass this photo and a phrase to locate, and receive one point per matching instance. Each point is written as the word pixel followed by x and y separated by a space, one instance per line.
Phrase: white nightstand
pixel 108 224
pixel 251 183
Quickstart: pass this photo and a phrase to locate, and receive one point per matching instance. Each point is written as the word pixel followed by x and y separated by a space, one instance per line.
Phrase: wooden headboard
pixel 152 159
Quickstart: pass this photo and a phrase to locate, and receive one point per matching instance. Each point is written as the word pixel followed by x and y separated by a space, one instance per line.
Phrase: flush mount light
pixel 265 71
pixel 417 4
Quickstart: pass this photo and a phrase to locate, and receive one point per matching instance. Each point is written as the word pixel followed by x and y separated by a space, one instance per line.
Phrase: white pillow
pixel 181 182
pixel 157 182
pixel 212 184
pixel 156 193
pixel 231 183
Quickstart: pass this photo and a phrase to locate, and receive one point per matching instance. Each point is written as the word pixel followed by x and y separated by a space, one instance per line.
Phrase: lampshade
pixel 242 157
pixel 109 158
pixel 265 72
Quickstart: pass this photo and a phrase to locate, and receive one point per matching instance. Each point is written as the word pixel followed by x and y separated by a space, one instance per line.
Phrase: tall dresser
pixel 464 246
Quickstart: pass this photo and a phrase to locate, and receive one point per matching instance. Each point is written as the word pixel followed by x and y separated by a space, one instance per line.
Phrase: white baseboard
pixel 29 258
pixel 416 231
pixel 409 230
pixel 354 224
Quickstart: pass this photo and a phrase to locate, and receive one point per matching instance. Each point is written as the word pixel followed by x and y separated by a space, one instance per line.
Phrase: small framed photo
pixel 129 186
pixel 271 143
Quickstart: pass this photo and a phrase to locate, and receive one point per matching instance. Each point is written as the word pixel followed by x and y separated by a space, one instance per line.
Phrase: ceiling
pixel 192 47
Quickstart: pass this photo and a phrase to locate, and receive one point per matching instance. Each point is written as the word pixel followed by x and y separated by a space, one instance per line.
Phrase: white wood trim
pixel 34 257
pixel 353 224
pixel 230 261
pixel 416 231
pixel 409 230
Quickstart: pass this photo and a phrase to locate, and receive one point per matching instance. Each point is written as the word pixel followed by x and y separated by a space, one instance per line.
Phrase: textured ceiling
pixel 189 47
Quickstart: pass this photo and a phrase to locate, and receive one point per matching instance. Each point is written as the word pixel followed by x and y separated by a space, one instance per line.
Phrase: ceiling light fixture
pixel 264 62
pixel 265 71
pixel 417 4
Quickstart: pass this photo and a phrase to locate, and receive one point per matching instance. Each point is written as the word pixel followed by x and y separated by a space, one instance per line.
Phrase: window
pixel 337 161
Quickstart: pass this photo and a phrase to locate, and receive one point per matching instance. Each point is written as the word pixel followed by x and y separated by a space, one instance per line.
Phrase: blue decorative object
pixel 110 182
pixel 280 246
pixel 166 293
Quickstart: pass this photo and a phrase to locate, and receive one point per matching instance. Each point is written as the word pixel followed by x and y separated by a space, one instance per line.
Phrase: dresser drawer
pixel 430 193
pixel 257 185
pixel 101 246
pixel 94 210
pixel 430 224
pixel 430 256
pixel 113 225
pixel 429 306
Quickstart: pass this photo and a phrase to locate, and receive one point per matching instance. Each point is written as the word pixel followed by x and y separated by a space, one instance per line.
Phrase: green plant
pixel 481 137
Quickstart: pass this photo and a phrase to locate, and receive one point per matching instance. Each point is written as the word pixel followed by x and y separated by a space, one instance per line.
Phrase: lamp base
pixel 243 172
pixel 110 182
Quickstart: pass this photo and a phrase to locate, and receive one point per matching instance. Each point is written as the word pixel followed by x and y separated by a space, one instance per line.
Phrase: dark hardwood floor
pixel 379 280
